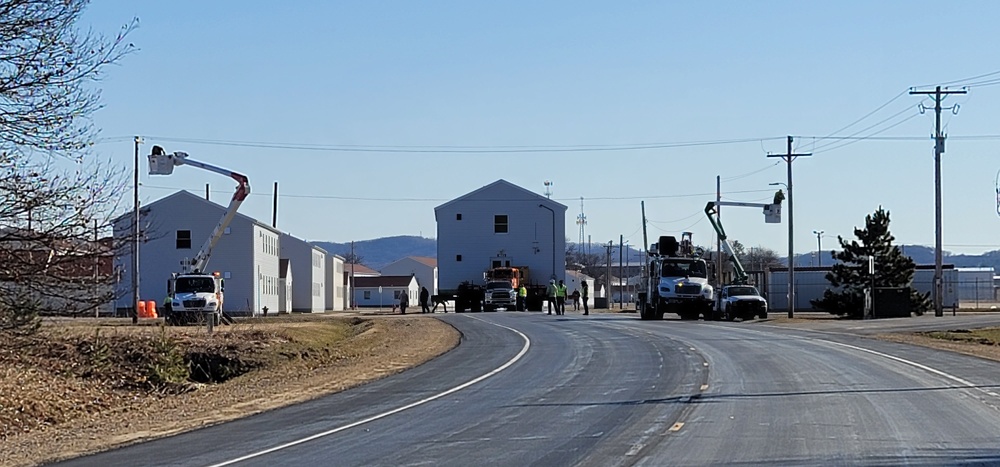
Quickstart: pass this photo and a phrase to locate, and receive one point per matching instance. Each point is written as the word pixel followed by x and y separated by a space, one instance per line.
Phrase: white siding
pixel 387 298
pixel 535 237
pixel 235 257
pixel 334 283
pixel 308 263
pixel 267 249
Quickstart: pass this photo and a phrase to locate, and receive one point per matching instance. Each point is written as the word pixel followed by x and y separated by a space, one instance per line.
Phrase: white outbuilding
pixel 384 291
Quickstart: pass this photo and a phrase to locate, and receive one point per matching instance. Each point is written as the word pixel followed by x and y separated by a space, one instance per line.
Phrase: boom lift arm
pixel 772 213
pixel 161 163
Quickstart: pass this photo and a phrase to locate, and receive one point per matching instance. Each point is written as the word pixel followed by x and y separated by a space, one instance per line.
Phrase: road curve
pixel 604 390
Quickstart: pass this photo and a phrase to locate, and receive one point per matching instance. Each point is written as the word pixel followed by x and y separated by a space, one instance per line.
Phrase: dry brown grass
pixel 983 343
pixel 78 387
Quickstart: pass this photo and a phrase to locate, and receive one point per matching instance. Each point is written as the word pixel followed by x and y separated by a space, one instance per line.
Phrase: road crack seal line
pixel 494 372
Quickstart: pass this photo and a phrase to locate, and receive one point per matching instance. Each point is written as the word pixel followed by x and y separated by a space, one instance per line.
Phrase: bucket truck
pixel 676 281
pixel 195 293
pixel 738 299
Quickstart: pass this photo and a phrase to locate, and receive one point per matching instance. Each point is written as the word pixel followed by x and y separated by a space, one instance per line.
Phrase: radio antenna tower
pixel 548 191
pixel 581 220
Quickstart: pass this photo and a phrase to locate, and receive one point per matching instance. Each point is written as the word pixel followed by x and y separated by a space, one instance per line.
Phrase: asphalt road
pixel 612 390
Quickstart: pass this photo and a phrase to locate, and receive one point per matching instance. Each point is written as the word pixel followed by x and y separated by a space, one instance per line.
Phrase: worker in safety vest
pixel 522 295
pixel 550 292
pixel 561 298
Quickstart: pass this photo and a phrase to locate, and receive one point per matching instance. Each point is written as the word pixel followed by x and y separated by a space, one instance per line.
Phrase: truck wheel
pixel 763 315
pixel 730 316
pixel 645 313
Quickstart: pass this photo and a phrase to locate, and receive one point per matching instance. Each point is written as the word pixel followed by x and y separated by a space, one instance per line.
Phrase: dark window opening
pixel 496 263
pixel 458 257
pixel 183 239
pixel 458 217
pixel 500 223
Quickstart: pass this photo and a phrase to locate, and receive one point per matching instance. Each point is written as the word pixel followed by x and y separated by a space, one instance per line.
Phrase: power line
pixel 848 143
pixel 456 149
pixel 826 145
pixel 869 114
pixel 737 177
pixel 963 80
pixel 355 198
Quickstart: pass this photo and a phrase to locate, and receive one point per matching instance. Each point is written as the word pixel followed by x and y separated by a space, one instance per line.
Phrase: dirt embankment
pixel 81 386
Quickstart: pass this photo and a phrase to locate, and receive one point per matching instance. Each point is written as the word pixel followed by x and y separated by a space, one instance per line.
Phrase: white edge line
pixel 524 350
pixel 907 362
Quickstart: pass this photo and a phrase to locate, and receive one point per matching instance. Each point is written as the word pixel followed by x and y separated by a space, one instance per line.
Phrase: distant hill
pixel 922 255
pixel 380 252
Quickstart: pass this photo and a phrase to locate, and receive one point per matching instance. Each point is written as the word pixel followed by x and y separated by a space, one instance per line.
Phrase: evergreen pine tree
pixel 850 275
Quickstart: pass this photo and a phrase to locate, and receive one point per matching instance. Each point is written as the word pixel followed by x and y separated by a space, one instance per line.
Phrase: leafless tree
pixel 50 211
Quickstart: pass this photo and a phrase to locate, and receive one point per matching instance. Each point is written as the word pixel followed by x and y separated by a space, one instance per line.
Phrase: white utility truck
pixel 196 294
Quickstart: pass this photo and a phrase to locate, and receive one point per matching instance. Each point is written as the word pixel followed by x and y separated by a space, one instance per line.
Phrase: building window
pixel 496 263
pixel 500 223
pixel 458 258
pixel 368 295
pixel 183 239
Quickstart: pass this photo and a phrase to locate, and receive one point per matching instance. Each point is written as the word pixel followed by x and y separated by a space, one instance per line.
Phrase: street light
pixel 819 247
pixel 791 252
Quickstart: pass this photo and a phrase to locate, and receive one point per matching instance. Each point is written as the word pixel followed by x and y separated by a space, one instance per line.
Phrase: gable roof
pixel 425 260
pixel 360 269
pixel 524 195
pixel 195 198
pixel 383 281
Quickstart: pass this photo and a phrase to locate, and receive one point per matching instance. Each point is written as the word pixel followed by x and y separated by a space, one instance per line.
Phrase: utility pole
pixel 135 235
pixel 621 272
pixel 611 244
pixel 274 210
pixel 789 157
pixel 718 239
pixel 938 95
pixel 354 259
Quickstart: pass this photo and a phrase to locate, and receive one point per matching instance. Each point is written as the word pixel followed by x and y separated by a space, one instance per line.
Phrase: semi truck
pixel 196 294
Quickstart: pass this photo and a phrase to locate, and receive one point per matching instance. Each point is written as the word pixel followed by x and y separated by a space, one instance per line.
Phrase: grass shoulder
pixel 79 386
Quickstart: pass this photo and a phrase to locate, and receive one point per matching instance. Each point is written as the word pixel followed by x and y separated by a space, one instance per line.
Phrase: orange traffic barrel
pixel 141 309
pixel 151 309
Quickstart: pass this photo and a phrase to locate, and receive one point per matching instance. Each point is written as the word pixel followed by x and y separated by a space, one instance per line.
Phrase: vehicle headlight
pixel 211 304
pixel 664 289
pixel 175 303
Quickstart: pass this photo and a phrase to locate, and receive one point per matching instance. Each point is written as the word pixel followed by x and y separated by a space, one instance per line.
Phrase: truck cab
pixel 499 294
pixel 193 296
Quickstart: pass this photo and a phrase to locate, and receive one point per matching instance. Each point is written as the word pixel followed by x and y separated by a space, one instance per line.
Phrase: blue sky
pixel 425 78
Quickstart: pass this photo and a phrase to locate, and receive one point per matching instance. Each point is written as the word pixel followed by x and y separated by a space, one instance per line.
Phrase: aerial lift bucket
pixel 161 163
